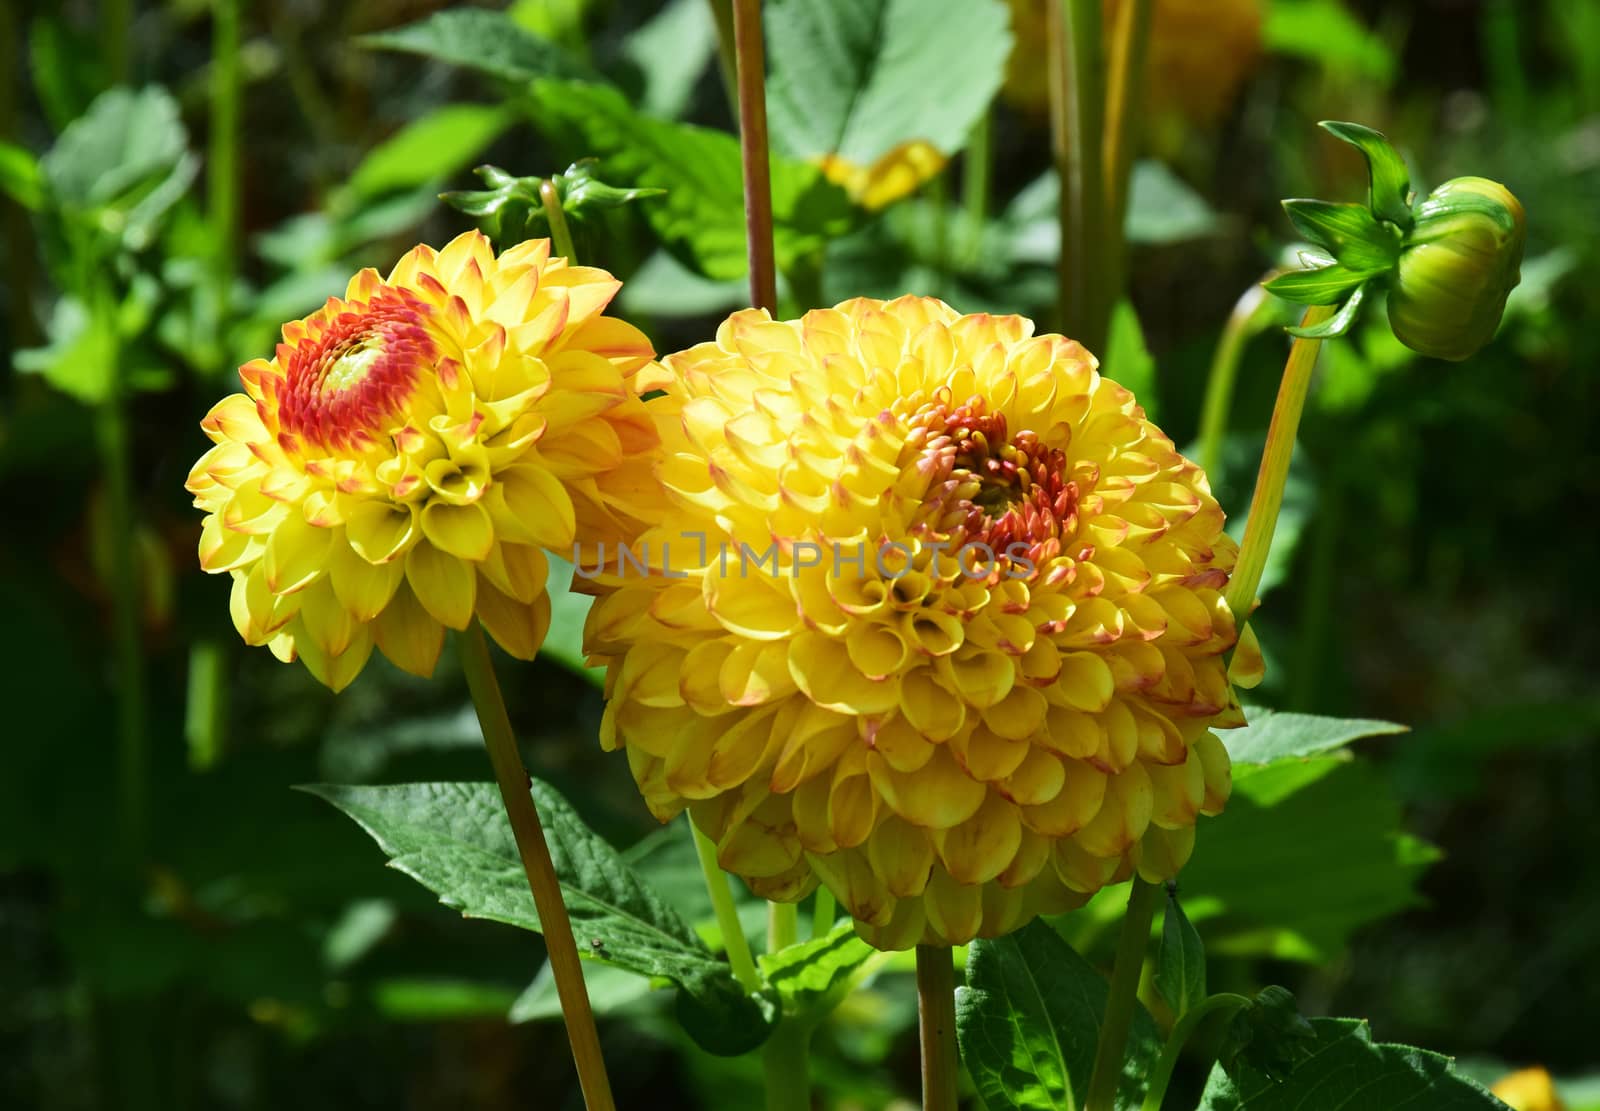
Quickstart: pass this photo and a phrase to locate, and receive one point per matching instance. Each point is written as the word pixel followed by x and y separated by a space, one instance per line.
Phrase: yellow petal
pixel 531 506
pixel 336 672
pixel 444 585
pixel 381 531
pixel 463 531
pixel 518 627
pixel 407 635
pixel 362 588
pixel 296 555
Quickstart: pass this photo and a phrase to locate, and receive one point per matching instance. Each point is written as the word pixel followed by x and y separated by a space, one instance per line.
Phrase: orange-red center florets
pixel 341 385
pixel 1012 494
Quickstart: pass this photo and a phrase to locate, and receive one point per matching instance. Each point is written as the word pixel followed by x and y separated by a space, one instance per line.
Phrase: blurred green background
pixel 249 951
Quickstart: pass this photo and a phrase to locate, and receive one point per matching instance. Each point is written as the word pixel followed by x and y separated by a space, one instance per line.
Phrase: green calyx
pixel 512 209
pixel 1448 261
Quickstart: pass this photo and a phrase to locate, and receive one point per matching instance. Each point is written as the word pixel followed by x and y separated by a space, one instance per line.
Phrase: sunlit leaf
pixel 1275 735
pixel 487 41
pixel 1180 976
pixel 429 149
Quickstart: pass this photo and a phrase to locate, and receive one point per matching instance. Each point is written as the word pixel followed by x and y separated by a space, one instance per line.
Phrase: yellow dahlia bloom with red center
pixel 398 465
pixel 934 616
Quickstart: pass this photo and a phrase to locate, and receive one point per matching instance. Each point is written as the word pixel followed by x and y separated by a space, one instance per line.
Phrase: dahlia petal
pixel 380 532
pixel 407 635
pixel 533 507
pixel 223 549
pixel 1164 852
pixel 901 744
pixel 1083 793
pixel 939 796
pixel 756 673
pixel 296 555
pixel 930 706
pixel 444 585
pixel 325 619
pixel 954 909
pixel 336 672
pixel 1123 817
pixel 518 627
pixel 463 531
pixel 979 849
pixel 1178 792
pixel 902 855
pixel 1218 772
pixel 362 588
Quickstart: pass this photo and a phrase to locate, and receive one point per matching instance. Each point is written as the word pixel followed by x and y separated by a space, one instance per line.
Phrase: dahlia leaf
pixel 1128 360
pixel 1390 197
pixel 701 217
pixel 806 975
pixel 1181 963
pixel 853 75
pixel 427 150
pixel 455 840
pixel 1275 735
pixel 489 42
pixel 1345 1068
pixel 1327 830
pixel 1337 324
pixel 1319 285
pixel 19 176
pixel 1268 1035
pixel 611 989
pixel 1028 1020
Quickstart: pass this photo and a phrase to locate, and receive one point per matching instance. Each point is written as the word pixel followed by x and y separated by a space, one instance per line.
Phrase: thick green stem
pixel 752 65
pixel 1274 473
pixel 537 866
pixel 936 1025
pixel 560 233
pixel 1182 1031
pixel 206 709
pixel 1076 125
pixel 1130 39
pixel 786 1067
pixel 822 913
pixel 783 926
pixel 733 939
pixel 1123 996
pixel 1243 322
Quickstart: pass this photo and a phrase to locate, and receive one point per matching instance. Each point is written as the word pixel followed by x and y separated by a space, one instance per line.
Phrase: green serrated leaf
pixel 853 75
pixel 1346 1069
pixel 455 840
pixel 1391 182
pixel 1329 830
pixel 611 990
pixel 1337 324
pixel 1180 975
pixel 1275 735
pixel 486 41
pixel 806 974
pixel 1269 1035
pixel 1322 285
pixel 1028 1020
pixel 427 150
pixel 701 216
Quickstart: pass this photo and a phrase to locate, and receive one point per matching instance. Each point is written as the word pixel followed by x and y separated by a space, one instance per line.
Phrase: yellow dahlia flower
pixel 934 616
pixel 399 464
pixel 1529 1089
pixel 897 174
pixel 1200 53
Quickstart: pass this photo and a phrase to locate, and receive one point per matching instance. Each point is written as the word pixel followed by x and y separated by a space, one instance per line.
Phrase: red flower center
pixel 342 385
pixel 1011 494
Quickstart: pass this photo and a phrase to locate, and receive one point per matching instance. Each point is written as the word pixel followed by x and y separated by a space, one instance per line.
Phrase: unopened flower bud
pixel 1460 262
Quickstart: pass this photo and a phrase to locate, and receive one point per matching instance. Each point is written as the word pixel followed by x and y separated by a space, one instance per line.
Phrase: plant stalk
pixel 1130 40
pixel 727 57
pixel 822 913
pixel 560 233
pixel 1242 323
pixel 786 1066
pixel 752 67
pixel 1076 122
pixel 516 794
pixel 783 926
pixel 733 939
pixel 977 183
pixel 1275 458
pixel 133 756
pixel 1123 996
pixel 936 1025
pixel 1182 1031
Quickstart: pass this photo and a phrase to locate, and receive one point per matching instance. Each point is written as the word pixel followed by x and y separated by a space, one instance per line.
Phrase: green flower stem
pixel 540 870
pixel 116 20
pixel 1274 472
pixel 1182 1031
pixel 936 1025
pixel 1123 996
pixel 1130 40
pixel 752 66
pixel 977 183
pixel 786 1066
pixel 733 939
pixel 727 58
pixel 783 926
pixel 1076 124
pixel 822 913
pixel 560 233
pixel 1243 322
pixel 206 714
pixel 133 756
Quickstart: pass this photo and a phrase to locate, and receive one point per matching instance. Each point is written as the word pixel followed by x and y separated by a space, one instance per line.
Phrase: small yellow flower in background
pixel 398 465
pixel 1529 1090
pixel 897 174
pixel 1200 53
pixel 932 614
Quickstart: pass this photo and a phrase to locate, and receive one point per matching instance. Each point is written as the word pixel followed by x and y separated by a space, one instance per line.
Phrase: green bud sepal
pixel 512 209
